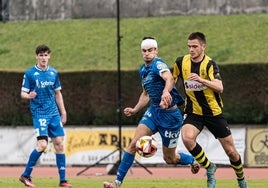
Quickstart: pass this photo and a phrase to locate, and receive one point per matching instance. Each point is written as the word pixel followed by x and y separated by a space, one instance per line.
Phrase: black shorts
pixel 217 125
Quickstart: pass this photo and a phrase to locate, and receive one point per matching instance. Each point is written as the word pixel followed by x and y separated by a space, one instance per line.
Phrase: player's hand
pixel 194 76
pixel 129 111
pixel 64 118
pixel 163 104
pixel 166 100
pixel 32 94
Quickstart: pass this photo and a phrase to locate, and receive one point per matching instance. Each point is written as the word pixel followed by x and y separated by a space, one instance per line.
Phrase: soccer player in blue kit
pixel 162 115
pixel 41 85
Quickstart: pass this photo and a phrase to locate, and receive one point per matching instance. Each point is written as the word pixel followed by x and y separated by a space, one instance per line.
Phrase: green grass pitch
pixel 133 183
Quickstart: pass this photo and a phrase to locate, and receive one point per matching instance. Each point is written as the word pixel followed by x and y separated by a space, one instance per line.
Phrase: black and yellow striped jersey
pixel 200 99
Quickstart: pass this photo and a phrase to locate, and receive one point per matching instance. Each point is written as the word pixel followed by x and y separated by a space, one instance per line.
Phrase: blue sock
pixel 124 166
pixel 61 164
pixel 186 159
pixel 34 156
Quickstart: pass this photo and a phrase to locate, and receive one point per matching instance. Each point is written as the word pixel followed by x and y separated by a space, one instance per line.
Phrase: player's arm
pixel 60 103
pixel 215 85
pixel 166 98
pixel 28 95
pixel 169 80
pixel 142 102
pixel 214 82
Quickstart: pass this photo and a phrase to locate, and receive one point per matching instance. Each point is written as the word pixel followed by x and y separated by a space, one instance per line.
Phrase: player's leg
pixel 235 159
pixel 56 132
pixel 192 127
pixel 34 156
pixel 42 141
pixel 146 127
pixel 171 157
pixel 128 157
pixel 189 133
pixel 58 143
pixel 170 123
pixel 224 135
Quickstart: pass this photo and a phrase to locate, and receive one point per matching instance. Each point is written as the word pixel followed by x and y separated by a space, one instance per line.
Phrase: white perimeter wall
pixel 85 146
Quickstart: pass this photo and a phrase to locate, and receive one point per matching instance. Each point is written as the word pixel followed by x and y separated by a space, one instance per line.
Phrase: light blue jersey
pixel 44 83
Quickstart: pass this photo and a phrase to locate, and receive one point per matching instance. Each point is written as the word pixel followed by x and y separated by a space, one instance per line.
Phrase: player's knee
pixel 42 142
pixel 185 136
pixel 186 139
pixel 189 135
pixel 132 148
pixel 58 146
pixel 41 146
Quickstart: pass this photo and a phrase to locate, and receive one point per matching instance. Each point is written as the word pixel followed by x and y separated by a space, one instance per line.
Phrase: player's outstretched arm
pixel 143 101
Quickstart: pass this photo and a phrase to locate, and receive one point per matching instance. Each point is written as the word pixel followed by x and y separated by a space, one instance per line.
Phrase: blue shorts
pixel 50 126
pixel 167 122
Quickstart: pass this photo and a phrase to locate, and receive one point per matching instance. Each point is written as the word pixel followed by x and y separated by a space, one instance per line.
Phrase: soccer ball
pixel 146 146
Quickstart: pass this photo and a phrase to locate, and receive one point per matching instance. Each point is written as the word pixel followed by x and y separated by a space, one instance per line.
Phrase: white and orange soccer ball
pixel 146 146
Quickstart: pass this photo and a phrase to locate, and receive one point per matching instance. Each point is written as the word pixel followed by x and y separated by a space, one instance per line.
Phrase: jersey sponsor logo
pixel 194 86
pixel 46 83
pixel 169 134
pixel 147 79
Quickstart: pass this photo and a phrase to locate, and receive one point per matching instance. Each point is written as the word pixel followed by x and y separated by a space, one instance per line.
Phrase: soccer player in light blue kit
pixel 41 85
pixel 162 115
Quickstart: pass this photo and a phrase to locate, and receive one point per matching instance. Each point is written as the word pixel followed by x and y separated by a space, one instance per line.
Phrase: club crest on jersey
pixel 194 86
pixel 160 65
pixel 203 72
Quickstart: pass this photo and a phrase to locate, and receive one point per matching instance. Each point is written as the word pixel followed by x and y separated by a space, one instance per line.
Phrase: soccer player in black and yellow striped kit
pixel 203 107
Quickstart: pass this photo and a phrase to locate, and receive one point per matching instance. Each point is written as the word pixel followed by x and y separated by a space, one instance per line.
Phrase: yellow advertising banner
pixel 257 147
pixel 78 140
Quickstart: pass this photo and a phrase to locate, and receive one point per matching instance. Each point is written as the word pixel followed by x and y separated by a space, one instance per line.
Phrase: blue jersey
pixel 153 83
pixel 44 83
